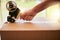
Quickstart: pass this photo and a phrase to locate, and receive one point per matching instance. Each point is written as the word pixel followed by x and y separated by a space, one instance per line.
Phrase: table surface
pixel 29 26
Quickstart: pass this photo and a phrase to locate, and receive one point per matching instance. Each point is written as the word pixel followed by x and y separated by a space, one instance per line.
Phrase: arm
pixel 28 15
pixel 43 5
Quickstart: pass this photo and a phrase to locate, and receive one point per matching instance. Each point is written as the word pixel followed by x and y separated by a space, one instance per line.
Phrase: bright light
pixel 53 13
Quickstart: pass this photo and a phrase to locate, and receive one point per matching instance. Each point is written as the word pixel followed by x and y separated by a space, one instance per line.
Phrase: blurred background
pixel 51 14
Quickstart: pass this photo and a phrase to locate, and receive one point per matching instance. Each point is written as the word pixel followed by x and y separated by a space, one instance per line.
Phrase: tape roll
pixel 11 6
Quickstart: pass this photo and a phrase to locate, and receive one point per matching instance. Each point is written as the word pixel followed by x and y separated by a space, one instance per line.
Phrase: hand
pixel 28 15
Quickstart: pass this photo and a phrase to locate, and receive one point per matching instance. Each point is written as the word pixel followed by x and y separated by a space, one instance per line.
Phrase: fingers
pixel 22 16
pixel 28 18
pixel 28 15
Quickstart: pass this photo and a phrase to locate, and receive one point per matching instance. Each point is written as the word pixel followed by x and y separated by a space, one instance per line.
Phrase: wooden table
pixel 30 31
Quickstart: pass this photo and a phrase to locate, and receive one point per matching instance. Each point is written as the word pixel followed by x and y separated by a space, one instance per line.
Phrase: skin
pixel 29 15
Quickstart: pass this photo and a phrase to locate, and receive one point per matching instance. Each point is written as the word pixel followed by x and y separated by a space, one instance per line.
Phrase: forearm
pixel 43 6
pixel 28 15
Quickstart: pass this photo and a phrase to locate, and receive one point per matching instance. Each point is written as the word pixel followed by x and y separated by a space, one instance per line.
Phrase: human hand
pixel 27 15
